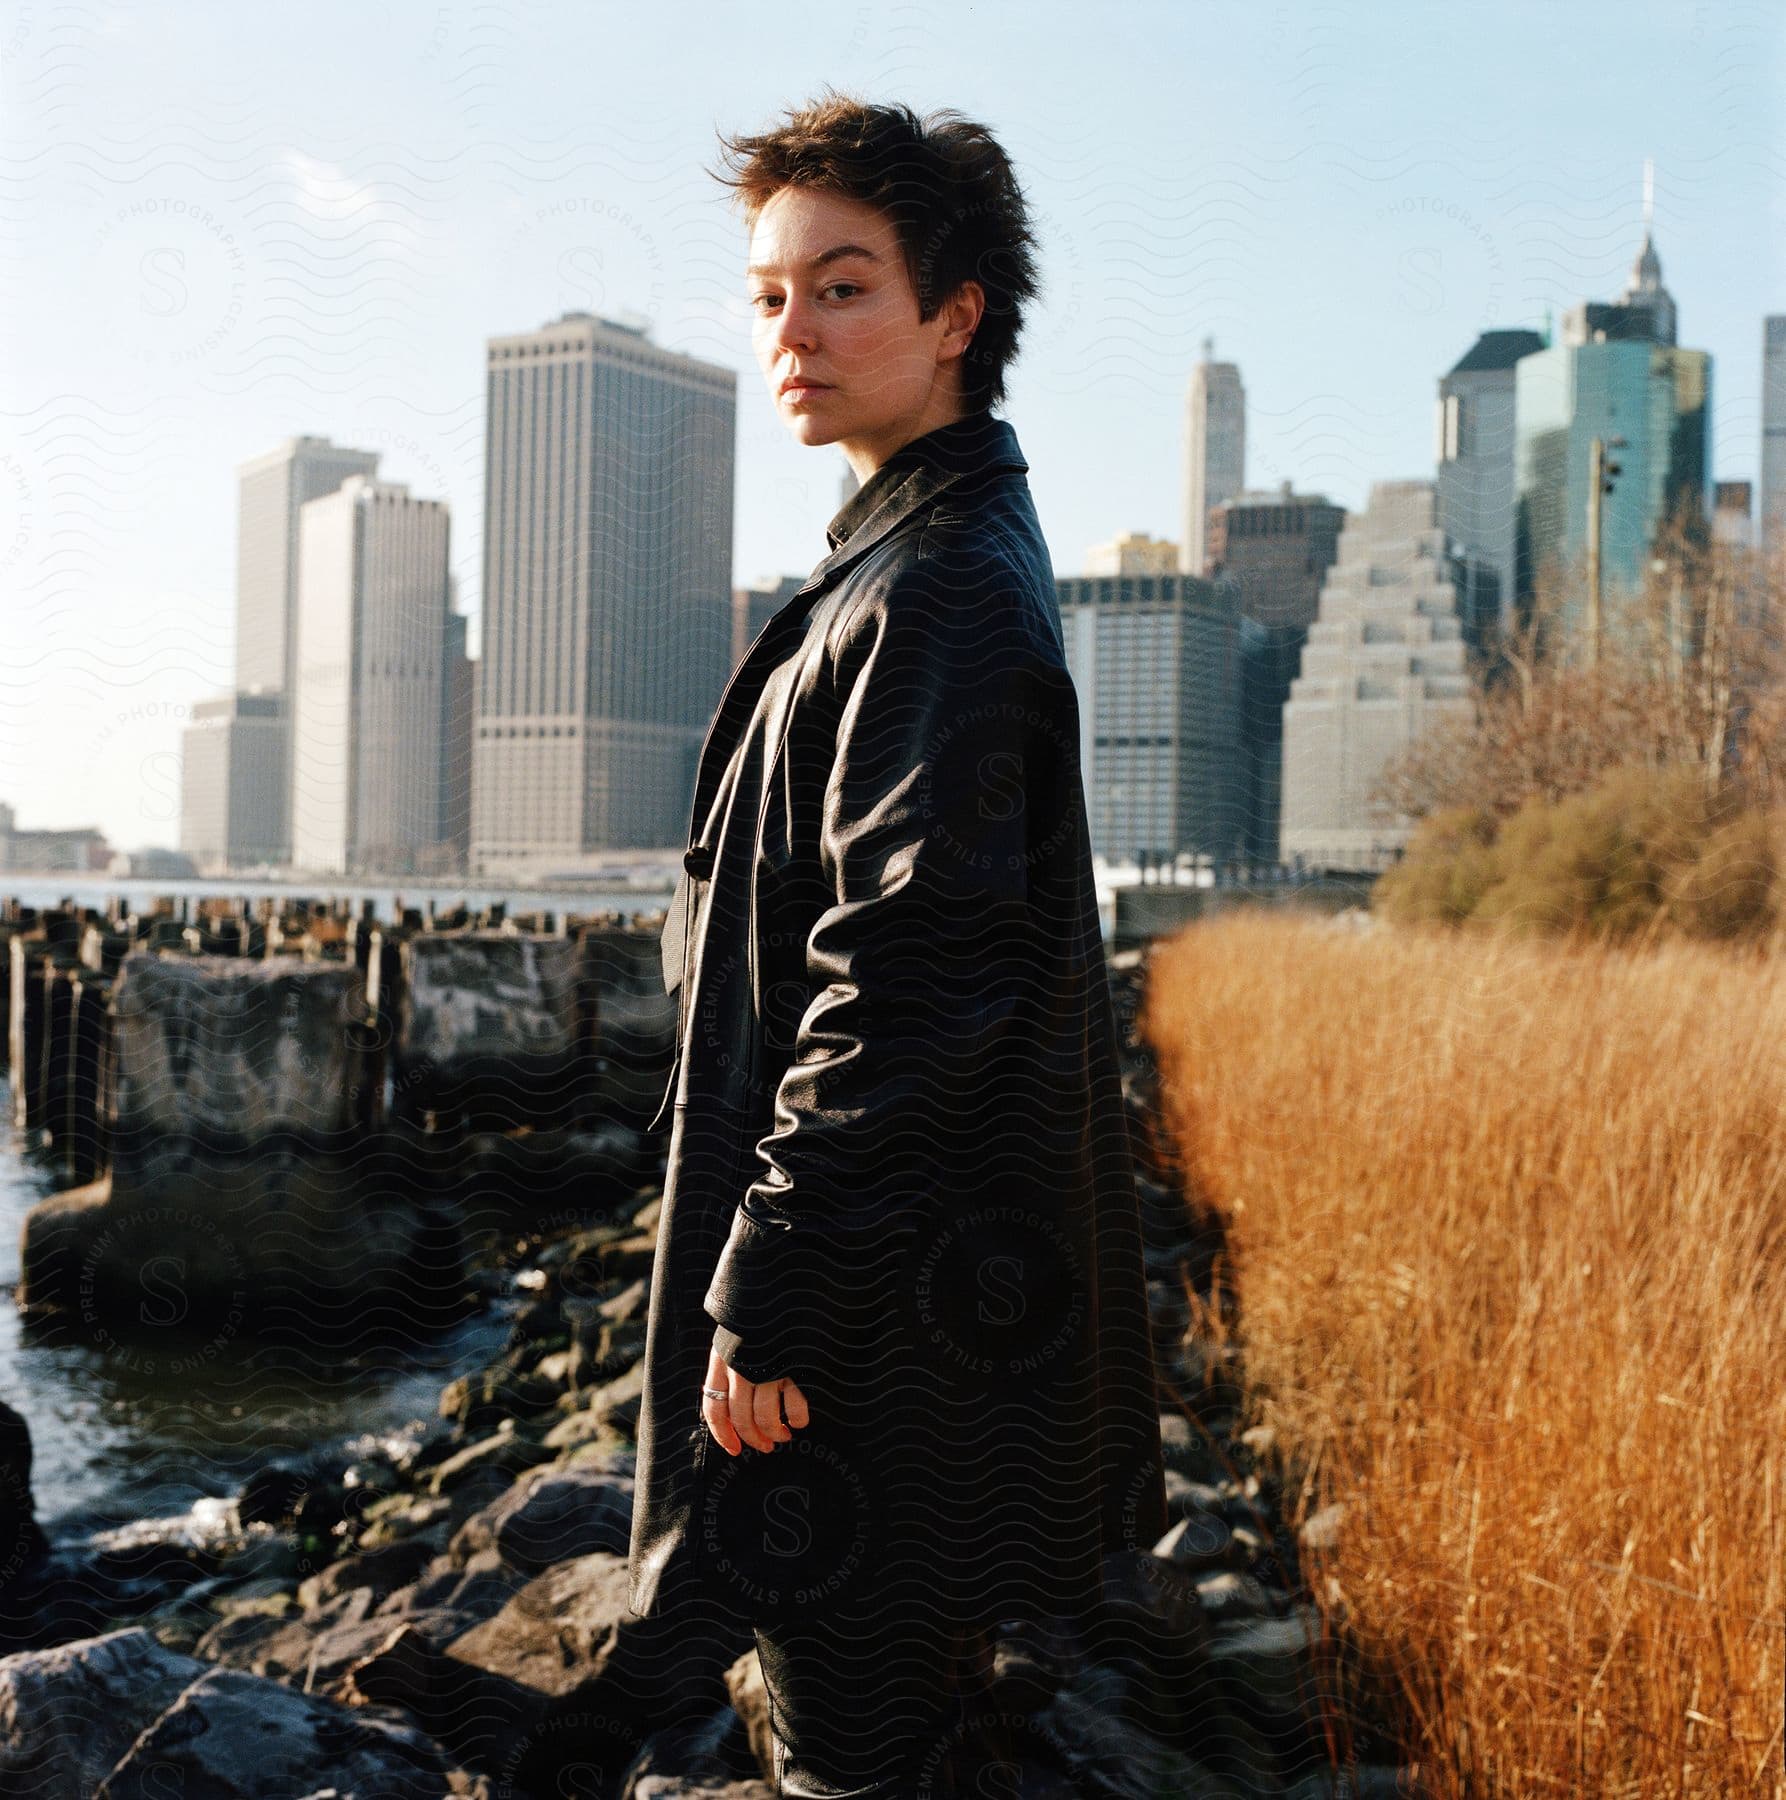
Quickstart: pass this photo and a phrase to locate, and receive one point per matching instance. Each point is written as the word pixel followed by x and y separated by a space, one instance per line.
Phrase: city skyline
pixel 324 246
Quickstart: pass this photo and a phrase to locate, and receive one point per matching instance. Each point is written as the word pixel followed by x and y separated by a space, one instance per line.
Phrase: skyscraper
pixel 234 783
pixel 243 741
pixel 1475 453
pixel 270 491
pixel 1770 503
pixel 458 720
pixel 1384 659
pixel 1617 374
pixel 1133 553
pixel 1215 451
pixel 370 659
pixel 1276 548
pixel 1154 664
pixel 607 602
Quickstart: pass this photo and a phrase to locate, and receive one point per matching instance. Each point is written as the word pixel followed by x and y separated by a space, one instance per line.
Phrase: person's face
pixel 832 301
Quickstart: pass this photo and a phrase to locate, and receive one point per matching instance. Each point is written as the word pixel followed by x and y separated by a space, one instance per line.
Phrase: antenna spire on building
pixel 1644 286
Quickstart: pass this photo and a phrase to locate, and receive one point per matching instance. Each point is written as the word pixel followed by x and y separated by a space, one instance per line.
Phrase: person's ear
pixel 964 309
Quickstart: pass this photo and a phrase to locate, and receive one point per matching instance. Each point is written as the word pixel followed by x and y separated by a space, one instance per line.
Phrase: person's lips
pixel 799 386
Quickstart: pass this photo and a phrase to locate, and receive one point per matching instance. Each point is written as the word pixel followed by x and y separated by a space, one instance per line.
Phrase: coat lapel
pixel 745 688
pixel 926 480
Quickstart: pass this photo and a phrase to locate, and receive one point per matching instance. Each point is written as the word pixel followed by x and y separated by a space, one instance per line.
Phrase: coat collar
pixel 912 476
pixel 975 446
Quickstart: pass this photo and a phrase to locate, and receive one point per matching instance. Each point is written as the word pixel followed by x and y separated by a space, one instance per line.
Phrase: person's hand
pixel 759 1412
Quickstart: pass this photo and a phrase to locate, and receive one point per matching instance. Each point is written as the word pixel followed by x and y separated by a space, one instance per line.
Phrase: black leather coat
pixel 899 1168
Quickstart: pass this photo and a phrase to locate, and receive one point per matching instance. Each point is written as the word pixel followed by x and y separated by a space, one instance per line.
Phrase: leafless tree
pixel 1691 670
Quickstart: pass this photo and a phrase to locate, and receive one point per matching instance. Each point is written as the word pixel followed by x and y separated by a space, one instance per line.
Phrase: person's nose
pixel 796 326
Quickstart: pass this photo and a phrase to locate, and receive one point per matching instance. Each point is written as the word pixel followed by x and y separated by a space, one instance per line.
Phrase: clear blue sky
pixel 228 224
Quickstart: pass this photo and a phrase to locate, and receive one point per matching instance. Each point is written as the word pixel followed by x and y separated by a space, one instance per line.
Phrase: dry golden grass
pixel 1509 1233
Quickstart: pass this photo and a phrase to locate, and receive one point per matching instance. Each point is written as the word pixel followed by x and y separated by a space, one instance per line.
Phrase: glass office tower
pixel 1658 399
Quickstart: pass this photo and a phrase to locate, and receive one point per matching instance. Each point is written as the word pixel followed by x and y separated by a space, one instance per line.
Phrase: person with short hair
pixel 899 1389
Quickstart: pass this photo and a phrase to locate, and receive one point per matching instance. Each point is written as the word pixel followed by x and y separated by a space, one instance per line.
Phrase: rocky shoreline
pixel 447 1614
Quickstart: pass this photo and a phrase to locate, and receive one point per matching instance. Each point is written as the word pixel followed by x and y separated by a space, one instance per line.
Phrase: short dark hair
pixel 944 183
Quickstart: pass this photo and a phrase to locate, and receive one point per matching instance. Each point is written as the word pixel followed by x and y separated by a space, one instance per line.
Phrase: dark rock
pixel 1150 1629
pixel 1200 1540
pixel 1267 1670
pixel 1233 1594
pixel 600 1679
pixel 617 1403
pixel 628 1306
pixel 1190 1450
pixel 313 1647
pixel 483 1402
pixel 1380 1781
pixel 1031 1661
pixel 380 1571
pixel 1109 1755
pixel 551 1516
pixel 235 1737
pixel 271 1493
pixel 22 1542
pixel 505 1450
pixel 478 1715
pixel 68 1714
pixel 711 1757
pixel 749 1696
pixel 470 1594
pixel 364 1247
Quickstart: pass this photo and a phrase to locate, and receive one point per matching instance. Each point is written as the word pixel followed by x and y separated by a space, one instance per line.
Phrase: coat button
pixel 698 861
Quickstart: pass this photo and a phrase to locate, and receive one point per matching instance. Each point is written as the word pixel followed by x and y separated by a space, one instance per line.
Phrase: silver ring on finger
pixel 714 1393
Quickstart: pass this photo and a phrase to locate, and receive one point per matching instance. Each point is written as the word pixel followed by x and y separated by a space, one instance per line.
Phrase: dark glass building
pixel 1277 549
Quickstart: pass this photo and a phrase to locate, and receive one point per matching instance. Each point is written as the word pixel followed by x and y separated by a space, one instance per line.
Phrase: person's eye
pixel 756 297
pixel 832 289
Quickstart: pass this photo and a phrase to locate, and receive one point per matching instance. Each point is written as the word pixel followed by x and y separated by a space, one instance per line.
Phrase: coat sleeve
pixel 728 1346
pixel 915 966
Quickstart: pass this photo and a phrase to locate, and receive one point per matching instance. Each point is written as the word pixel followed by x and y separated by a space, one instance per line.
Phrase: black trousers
pixel 874 1699
pixel 871 1657
pixel 877 1663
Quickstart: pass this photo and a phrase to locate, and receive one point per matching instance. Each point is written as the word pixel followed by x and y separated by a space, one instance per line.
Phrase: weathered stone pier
pixel 315 1107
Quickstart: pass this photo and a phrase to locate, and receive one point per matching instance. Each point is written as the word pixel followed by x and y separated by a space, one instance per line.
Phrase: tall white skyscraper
pixel 1215 452
pixel 373 602
pixel 270 490
pixel 237 787
pixel 1770 510
pixel 607 591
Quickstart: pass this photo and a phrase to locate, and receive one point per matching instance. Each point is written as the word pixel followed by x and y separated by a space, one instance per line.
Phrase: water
pixel 121 1436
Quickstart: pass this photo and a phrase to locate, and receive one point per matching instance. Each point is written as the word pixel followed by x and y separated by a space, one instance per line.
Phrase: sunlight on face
pixel 831 300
